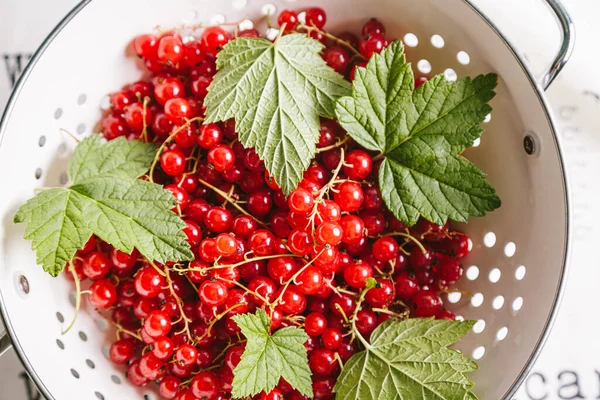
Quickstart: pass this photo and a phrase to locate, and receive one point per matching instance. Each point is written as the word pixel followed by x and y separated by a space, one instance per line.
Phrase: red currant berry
pixel 316 17
pixel 210 136
pixel 382 294
pixel 385 249
pixel 221 157
pixel 366 321
pixel 261 242
pixel 342 304
pixel 168 89
pixel 420 80
pixel 372 44
pixel 373 27
pixel 192 54
pixel 315 324
pixel 419 259
pixel 163 348
pixel 178 110
pixel 300 201
pixel 213 39
pixel 292 300
pixel 332 338
pixel 358 165
pixel 337 58
pixel 121 351
pixel 146 46
pixel 200 86
pixel 157 324
pixel 426 303
pixel 172 162
pixel 352 229
pixel 322 362
pixel 310 280
pixel 288 18
pixel 170 49
pixel 148 282
pixel 205 385
pixel 96 265
pixel 169 386
pixel 406 286
pixel 349 196
pixel 186 355
pixel 213 293
pixel 329 232
pixel 103 294
pixel 448 269
pixel 259 203
pixel 357 273
pixel 135 375
pixel 218 219
pixel 445 314
pixel 299 242
pixel 281 269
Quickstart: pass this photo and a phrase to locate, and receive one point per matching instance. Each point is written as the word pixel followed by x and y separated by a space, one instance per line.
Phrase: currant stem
pixel 410 237
pixel 293 278
pixel 127 331
pixel 77 297
pixel 359 302
pixel 75 138
pixel 328 35
pixel 231 201
pixel 167 140
pixel 179 302
pixel 333 146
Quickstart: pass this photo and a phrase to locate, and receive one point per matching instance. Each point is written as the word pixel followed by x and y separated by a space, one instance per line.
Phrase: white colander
pixel 517 266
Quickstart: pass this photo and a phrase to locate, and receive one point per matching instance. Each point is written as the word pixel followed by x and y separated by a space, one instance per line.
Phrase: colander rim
pixel 535 86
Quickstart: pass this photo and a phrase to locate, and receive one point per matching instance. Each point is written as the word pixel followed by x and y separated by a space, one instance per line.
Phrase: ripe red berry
pixel 426 303
pixel 292 300
pixel 205 385
pixel 96 265
pixel 186 355
pixel 322 362
pixel 146 46
pixel 103 294
pixel 337 58
pixel 289 18
pixel 371 44
pixel 357 273
pixel 329 232
pixel 349 196
pixel 385 249
pixel 213 293
pixel 172 162
pixel 310 280
pixel 281 269
pixel 352 229
pixel 315 324
pixel 358 165
pixel 148 282
pixel 121 351
pixel 372 27
pixel 178 110
pixel 169 386
pixel 170 49
pixel 210 136
pixel 157 324
pixel 381 295
pixel 213 39
pixel 218 219
pixel 261 242
pixel 300 201
pixel 406 286
pixel 221 157
pixel 316 17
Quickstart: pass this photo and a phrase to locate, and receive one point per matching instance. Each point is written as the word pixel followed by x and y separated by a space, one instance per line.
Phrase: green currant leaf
pixel 119 157
pixel 421 132
pixel 276 93
pixel 106 200
pixel 409 360
pixel 269 357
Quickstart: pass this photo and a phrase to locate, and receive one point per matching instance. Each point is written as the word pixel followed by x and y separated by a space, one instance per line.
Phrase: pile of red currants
pixel 304 258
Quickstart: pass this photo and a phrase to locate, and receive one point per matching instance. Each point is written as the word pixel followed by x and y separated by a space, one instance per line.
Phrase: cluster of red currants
pixel 305 258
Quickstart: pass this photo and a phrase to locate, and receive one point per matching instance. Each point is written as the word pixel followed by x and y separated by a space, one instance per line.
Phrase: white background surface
pixel 568 368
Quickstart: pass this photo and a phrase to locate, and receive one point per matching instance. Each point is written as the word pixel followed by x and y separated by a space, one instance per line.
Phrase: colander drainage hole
pixel 81 99
pixel 510 249
pixel 38 173
pixel 517 304
pixel 60 317
pixel 60 344
pixel 42 141
pixel 498 302
pixel 502 333
pixel 268 9
pixel 450 75
pixel 75 373
pixel 437 41
pixel 90 364
pixel 477 300
pixel 115 379
pixel 520 272
pixel 80 129
pixel 83 336
pixel 463 57
pixel 454 297
pixel 489 239
pixel 478 352
pixel 239 4
pixel 495 275
pixel 472 272
pixel 411 40
pixel 99 395
pixel 424 66
pixel 63 178
pixel 58 113
pixel 476 142
pixel 479 326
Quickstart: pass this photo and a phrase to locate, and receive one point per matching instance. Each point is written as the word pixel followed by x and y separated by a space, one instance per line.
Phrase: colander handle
pixel 566 48
pixel 5 343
